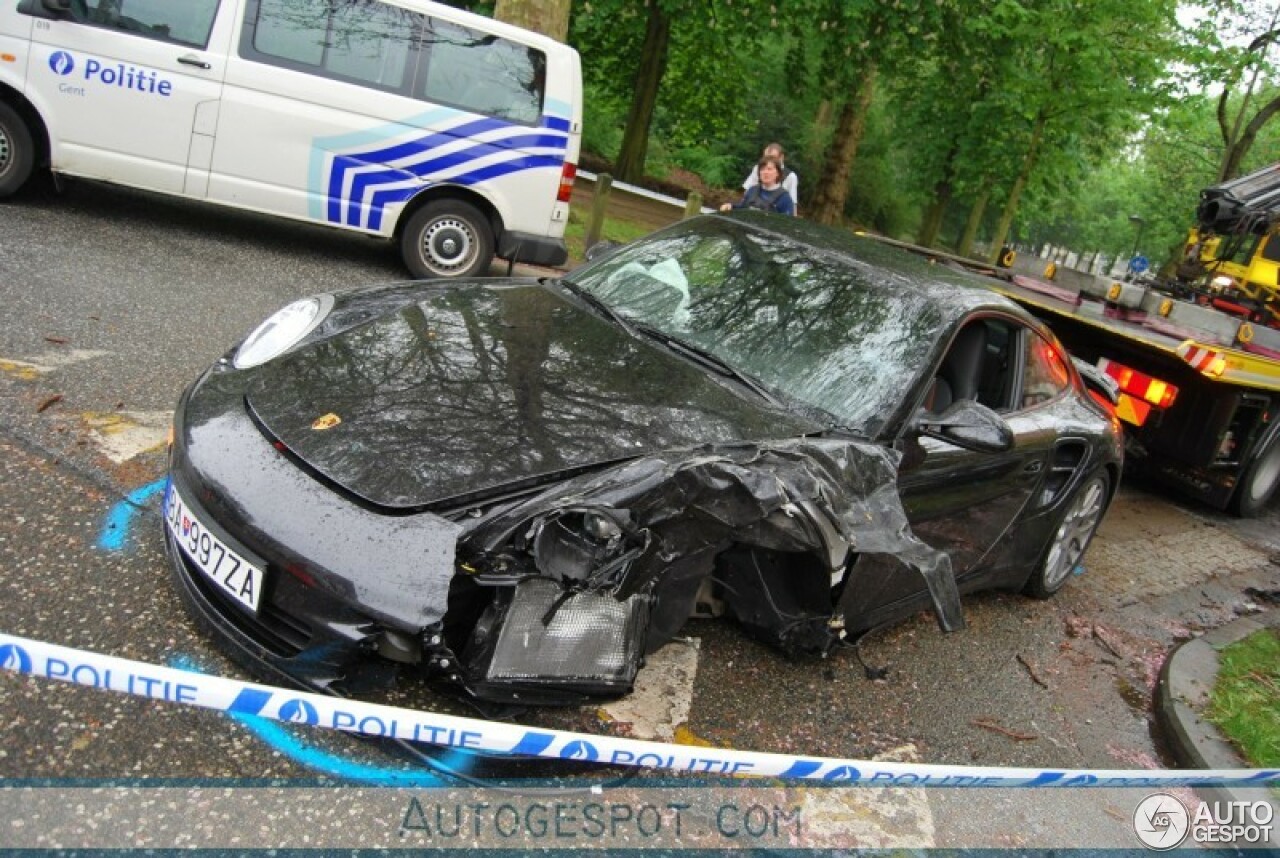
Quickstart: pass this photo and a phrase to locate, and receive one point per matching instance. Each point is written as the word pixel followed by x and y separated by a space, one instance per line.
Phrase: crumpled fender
pixel 786 496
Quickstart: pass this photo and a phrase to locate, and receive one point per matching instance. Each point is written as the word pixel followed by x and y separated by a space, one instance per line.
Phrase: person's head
pixel 769 170
pixel 774 150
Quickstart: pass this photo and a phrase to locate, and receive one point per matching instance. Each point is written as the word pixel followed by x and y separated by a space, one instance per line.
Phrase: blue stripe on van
pixel 378 200
pixel 361 181
pixel 323 146
pixel 395 152
pixel 369 169
pixel 364 179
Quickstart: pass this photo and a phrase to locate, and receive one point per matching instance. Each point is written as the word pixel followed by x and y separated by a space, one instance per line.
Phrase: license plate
pixel 230 572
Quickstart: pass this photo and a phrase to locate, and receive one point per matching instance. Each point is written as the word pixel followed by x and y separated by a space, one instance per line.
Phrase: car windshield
pixel 819 328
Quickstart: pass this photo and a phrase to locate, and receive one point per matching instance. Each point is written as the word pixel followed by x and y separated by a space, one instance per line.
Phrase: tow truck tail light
pixel 568 173
pixel 1206 361
pixel 1139 384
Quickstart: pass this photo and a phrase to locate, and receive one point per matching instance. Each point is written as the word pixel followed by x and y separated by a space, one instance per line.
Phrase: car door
pixel 964 501
pixel 130 87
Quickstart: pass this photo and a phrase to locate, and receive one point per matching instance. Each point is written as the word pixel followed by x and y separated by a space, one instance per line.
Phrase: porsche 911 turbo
pixel 514 489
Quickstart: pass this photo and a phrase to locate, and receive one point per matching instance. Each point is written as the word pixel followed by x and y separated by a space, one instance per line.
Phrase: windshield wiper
pixel 594 302
pixel 708 359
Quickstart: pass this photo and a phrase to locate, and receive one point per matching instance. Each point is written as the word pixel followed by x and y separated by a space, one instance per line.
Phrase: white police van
pixel 451 133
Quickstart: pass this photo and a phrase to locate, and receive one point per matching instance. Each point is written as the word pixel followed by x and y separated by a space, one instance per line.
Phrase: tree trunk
pixel 942 190
pixel 1237 151
pixel 976 213
pixel 1234 147
pixel 833 184
pixel 1015 193
pixel 653 64
pixel 549 17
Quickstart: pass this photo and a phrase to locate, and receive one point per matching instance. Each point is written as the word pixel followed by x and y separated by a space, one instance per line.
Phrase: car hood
pixel 478 388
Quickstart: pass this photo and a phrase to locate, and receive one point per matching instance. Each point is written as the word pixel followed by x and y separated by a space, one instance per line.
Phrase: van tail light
pixel 1139 384
pixel 568 173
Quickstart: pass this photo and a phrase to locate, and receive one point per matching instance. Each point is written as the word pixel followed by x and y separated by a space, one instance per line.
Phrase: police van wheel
pixel 17 152
pixel 447 238
pixel 1258 483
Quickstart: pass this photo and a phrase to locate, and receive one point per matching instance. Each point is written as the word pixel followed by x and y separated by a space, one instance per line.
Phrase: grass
pixel 1245 703
pixel 620 231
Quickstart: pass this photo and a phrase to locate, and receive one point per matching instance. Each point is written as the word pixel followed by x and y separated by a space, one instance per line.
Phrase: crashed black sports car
pixel 517 488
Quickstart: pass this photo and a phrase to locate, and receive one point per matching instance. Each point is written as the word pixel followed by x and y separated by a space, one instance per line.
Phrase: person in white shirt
pixel 790 181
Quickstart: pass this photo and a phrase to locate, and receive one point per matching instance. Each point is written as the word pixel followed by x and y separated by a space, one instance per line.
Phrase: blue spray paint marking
pixel 280 739
pixel 116 528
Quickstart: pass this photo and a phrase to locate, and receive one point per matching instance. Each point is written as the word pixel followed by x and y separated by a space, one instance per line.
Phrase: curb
pixel 1186 679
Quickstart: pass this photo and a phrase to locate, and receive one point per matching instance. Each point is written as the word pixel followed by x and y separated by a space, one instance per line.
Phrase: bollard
pixel 599 204
pixel 692 205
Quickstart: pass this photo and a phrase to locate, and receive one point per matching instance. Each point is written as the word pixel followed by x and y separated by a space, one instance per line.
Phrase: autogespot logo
pixel 1161 822
pixel 299 712
pixel 62 63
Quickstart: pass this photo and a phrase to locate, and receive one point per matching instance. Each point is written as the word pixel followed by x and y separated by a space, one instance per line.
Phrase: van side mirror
pixel 58 8
pixel 970 425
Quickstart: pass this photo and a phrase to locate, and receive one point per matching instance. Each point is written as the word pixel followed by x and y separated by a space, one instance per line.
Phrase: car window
pixel 483 73
pixel 980 365
pixel 821 330
pixel 1046 374
pixel 185 22
pixel 362 41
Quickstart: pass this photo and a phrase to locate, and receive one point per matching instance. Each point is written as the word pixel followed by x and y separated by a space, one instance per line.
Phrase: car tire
pixel 1259 481
pixel 17 151
pixel 447 238
pixel 1071 537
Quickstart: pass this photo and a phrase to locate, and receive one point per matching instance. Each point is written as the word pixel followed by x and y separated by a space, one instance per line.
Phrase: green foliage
pixel 1115 86
pixel 603 116
pixel 1245 702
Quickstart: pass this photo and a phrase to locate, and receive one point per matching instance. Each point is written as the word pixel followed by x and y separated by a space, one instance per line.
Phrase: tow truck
pixel 1198 388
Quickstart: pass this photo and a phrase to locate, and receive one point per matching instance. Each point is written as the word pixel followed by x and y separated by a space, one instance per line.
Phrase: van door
pixel 131 87
pixel 307 73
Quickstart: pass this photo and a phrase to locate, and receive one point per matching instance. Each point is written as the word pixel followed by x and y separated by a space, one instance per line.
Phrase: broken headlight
pixel 585 547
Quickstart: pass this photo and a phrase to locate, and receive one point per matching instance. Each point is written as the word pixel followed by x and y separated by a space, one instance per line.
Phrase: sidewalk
pixel 1182 695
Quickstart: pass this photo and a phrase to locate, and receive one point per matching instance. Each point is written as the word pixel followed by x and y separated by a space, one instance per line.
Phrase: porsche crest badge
pixel 327 421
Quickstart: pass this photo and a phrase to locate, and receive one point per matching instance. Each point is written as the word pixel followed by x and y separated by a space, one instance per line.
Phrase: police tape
pixel 371 719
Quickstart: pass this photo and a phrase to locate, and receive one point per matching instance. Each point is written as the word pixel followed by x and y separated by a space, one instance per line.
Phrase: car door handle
pixel 192 60
pixel 1033 467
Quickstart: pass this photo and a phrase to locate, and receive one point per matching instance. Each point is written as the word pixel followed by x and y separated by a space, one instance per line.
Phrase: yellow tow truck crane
pixel 1231 260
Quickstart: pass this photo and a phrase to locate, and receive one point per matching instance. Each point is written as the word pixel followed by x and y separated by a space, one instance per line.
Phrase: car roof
pixel 958 294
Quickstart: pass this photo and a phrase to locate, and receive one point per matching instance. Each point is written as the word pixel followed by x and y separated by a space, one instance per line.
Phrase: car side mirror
pixel 970 425
pixel 57 8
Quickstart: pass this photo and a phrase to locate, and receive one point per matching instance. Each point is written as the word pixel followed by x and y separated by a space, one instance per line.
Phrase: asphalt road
pixel 111 301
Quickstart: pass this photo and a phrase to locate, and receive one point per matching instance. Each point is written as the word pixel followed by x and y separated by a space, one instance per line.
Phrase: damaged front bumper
pixel 560 595
pixel 550 598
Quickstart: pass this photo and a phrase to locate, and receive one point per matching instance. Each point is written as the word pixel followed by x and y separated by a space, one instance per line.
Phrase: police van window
pixel 1046 375
pixel 185 22
pixel 483 73
pixel 362 41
